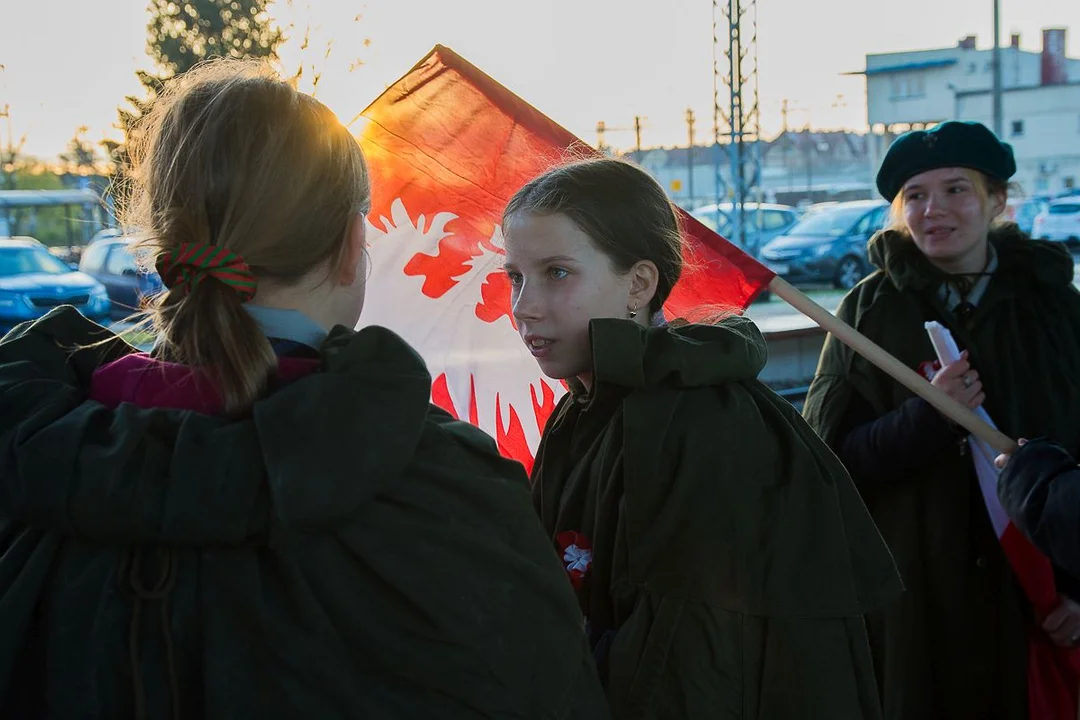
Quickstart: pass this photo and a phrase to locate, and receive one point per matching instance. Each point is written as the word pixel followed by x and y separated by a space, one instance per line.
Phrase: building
pixel 796 166
pixel 1040 102
pixel 1042 123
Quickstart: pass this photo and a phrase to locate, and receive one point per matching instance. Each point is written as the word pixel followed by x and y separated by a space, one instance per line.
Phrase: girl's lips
pixel 538 346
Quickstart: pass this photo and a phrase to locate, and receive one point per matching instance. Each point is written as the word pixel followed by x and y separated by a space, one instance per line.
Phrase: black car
pixel 110 261
pixel 827 245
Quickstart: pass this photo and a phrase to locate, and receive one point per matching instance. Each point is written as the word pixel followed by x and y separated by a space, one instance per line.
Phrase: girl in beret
pixel 955 644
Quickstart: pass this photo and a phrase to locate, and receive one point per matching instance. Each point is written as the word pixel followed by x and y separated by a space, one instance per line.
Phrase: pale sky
pixel 68 63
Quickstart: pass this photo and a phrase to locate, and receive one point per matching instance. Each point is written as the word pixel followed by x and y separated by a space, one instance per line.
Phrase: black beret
pixel 950 144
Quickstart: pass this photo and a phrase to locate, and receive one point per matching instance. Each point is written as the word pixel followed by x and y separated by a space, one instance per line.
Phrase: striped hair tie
pixel 188 263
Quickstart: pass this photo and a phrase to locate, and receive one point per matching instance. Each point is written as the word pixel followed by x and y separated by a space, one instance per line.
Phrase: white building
pixel 1042 123
pixel 1040 102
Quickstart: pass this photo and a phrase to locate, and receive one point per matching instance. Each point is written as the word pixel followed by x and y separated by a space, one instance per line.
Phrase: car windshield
pixel 708 219
pixel 828 222
pixel 24 260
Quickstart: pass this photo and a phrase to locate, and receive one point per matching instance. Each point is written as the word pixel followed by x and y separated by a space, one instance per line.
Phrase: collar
pixel 291 325
pixel 952 299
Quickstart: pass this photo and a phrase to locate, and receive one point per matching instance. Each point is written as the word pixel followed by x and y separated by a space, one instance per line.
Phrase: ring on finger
pixel 968 380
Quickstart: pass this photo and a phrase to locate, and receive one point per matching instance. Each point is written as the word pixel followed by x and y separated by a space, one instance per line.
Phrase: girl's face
pixel 559 282
pixel 948 213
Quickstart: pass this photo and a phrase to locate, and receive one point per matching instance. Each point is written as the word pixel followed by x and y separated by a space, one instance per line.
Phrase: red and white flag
pixel 448 147
pixel 1053 672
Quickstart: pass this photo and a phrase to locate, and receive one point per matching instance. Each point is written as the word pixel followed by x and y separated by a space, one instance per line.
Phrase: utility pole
pixel 742 116
pixel 7 157
pixel 787 142
pixel 997 68
pixel 602 130
pixel 690 154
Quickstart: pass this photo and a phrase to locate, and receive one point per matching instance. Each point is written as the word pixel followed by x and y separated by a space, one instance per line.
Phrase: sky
pixel 69 63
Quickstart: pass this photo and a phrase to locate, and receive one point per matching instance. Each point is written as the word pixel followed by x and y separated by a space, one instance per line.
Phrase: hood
pixel 676 356
pixel 349 428
pixel 147 382
pixel 46 282
pixel 355 423
pixel 1032 261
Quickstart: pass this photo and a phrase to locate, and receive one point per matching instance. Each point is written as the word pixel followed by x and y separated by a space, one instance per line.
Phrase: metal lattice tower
pixel 741 122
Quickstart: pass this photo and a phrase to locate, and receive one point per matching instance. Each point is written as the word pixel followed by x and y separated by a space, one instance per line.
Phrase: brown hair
pixel 232 156
pixel 619 206
pixel 985 186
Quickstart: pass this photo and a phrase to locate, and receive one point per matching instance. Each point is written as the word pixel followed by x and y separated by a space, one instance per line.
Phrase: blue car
pixel 828 245
pixel 33 282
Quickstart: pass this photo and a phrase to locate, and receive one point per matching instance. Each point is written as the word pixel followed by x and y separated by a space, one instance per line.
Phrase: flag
pixel 1053 672
pixel 447 148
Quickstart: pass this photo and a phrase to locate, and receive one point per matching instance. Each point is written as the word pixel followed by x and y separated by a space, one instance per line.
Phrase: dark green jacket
pixel 731 555
pixel 349 551
pixel 954 645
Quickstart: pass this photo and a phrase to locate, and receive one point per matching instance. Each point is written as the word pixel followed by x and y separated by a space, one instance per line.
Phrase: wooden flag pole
pixel 894 368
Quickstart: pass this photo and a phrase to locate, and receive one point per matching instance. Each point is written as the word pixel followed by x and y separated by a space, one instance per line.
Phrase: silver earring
pixel 633 314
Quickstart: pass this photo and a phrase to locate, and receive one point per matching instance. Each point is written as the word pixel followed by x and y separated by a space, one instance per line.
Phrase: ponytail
pixel 232 162
pixel 207 326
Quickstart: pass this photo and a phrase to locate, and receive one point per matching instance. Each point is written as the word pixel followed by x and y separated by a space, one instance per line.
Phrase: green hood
pixel 676 356
pixel 1029 261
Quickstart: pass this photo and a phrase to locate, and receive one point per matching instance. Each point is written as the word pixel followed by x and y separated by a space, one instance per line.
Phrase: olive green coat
pixel 953 646
pixel 732 558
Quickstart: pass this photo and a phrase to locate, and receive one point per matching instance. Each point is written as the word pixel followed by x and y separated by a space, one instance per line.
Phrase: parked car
pixel 828 245
pixel 109 259
pixel 1023 212
pixel 33 281
pixel 1059 221
pixel 764 221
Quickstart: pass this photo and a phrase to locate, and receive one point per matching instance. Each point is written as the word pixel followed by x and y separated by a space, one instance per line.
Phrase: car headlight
pixel 10 301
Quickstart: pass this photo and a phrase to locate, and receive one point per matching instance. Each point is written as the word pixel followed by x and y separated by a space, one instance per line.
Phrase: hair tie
pixel 188 263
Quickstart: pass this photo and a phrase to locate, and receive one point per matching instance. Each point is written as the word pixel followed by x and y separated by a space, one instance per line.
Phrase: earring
pixel 633 313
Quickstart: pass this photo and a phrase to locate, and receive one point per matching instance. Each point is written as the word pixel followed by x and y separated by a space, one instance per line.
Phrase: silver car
pixel 764 221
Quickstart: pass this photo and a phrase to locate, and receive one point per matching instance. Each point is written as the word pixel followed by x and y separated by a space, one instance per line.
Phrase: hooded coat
pixel 348 550
pixel 721 554
pixel 953 646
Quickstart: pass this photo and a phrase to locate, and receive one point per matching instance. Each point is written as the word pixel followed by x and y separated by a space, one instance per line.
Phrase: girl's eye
pixel 557 273
pixel 515 278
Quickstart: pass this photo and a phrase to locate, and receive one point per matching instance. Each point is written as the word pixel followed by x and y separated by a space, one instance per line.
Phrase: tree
pixel 10 153
pixel 80 157
pixel 183 33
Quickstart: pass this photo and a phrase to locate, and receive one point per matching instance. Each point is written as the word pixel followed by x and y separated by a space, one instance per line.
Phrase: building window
pixel 1017 128
pixel 1070 183
pixel 972 68
pixel 909 85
